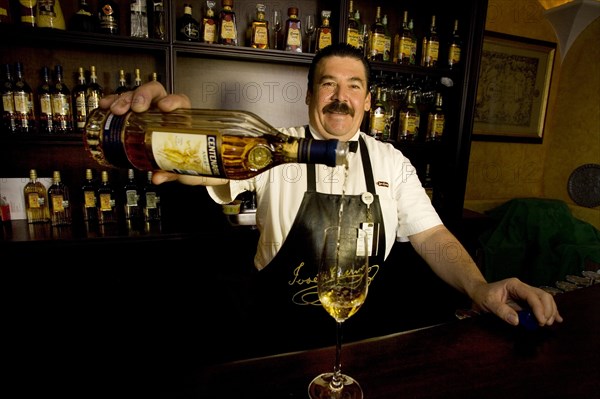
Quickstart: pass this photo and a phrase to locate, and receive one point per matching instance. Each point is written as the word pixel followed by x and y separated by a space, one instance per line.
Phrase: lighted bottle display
pixel 151 200
pixel 431 46
pixel 58 201
pixel 89 192
pixel 436 121
pixel 62 112
pixel 83 20
pixel 188 28
pixel 23 102
pixel 353 29
pixel 9 117
pixel 79 100
pixel 227 24
pixel 209 24
pixel 94 91
pixel 259 36
pixel 293 32
pixel 455 47
pixel 138 17
pixel 108 17
pixel 107 202
pixel 131 200
pixel 36 199
pixel 324 35
pixel 216 143
pixel 377 38
pixel 50 15
pixel 45 102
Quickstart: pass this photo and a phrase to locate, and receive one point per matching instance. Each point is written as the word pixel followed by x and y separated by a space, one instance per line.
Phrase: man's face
pixel 339 97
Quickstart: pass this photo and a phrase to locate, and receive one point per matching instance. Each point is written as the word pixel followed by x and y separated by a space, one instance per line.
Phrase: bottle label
pixel 228 30
pixel 353 37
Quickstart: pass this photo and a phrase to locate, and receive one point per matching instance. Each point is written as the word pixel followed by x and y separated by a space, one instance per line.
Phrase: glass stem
pixel 337 382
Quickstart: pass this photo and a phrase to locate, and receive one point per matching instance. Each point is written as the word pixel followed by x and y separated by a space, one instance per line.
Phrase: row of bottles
pixel 146 17
pixel 140 202
pixel 402 47
pixel 53 108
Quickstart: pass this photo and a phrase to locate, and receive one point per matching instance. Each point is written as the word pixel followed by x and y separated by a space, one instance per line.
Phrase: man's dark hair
pixel 338 50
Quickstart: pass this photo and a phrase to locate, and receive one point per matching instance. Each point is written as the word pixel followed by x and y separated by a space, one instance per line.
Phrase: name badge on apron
pixel 372 229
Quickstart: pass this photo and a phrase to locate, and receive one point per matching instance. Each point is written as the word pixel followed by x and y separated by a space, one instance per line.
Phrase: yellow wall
pixel 501 171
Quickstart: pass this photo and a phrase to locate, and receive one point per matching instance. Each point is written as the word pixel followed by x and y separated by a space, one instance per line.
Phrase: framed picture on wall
pixel 514 83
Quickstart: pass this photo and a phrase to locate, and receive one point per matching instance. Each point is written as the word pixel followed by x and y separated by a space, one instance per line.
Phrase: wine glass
pixel 309 29
pixel 342 281
pixel 276 27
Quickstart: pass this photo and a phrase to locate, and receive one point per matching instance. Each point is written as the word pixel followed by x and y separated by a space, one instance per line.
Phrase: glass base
pixel 320 388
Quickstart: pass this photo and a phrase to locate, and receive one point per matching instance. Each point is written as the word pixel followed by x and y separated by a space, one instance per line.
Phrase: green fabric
pixel 538 241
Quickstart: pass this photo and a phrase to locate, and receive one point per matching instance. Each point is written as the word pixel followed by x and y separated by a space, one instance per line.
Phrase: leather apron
pixel 288 308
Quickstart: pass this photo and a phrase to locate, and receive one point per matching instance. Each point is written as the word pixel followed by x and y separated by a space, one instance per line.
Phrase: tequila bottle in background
pixel 428 182
pixel 58 202
pixel 122 85
pixel 5 13
pixel 108 17
pixel 4 209
pixel 403 43
pixel 431 46
pixel 27 12
pixel 62 113
pixel 259 36
pixel 45 102
pixel 89 190
pixel 188 28
pixel 107 202
pixel 9 117
pixel 50 15
pixel 387 46
pixel 154 77
pixel 227 24
pixel 410 119
pixel 324 35
pixel 292 37
pixel 436 121
pixel 23 102
pixel 139 18
pixel 151 200
pixel 209 24
pixel 36 200
pixel 83 20
pixel 415 42
pixel 215 143
pixel 94 91
pixel 137 80
pixel 159 21
pixel 353 29
pixel 131 203
pixel 454 47
pixel 377 38
pixel 377 115
pixel 79 100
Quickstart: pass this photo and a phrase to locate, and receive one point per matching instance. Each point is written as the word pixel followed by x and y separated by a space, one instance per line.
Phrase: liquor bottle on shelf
pixel 94 91
pixel 45 102
pixel 403 43
pixel 79 101
pixel 138 18
pixel 137 81
pixel 410 119
pixel 107 203
pixel 154 77
pixel 122 86
pixel 428 182
pixel 324 35
pixel 9 117
pixel 227 24
pixel 23 102
pixel 209 24
pixel 36 200
pixel 62 113
pixel 27 12
pixel 387 46
pixel 436 121
pixel 131 202
pixel 215 143
pixel 377 38
pixel 159 21
pixel 89 190
pixel 151 200
pixel 259 36
pixel 454 47
pixel 58 202
pixel 4 209
pixel 108 17
pixel 50 15
pixel 293 32
pixel 414 42
pixel 83 20
pixel 377 115
pixel 5 13
pixel 188 28
pixel 353 29
pixel 431 46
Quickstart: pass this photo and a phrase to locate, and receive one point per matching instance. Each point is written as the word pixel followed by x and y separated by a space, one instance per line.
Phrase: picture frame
pixel 512 93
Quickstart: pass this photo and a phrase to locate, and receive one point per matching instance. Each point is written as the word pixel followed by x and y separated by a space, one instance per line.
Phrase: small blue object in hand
pixel 527 320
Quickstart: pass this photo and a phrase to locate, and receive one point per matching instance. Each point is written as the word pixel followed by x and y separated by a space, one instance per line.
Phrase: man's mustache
pixel 338 107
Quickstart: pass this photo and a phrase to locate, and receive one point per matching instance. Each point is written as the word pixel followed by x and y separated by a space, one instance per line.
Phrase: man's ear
pixel 367 106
